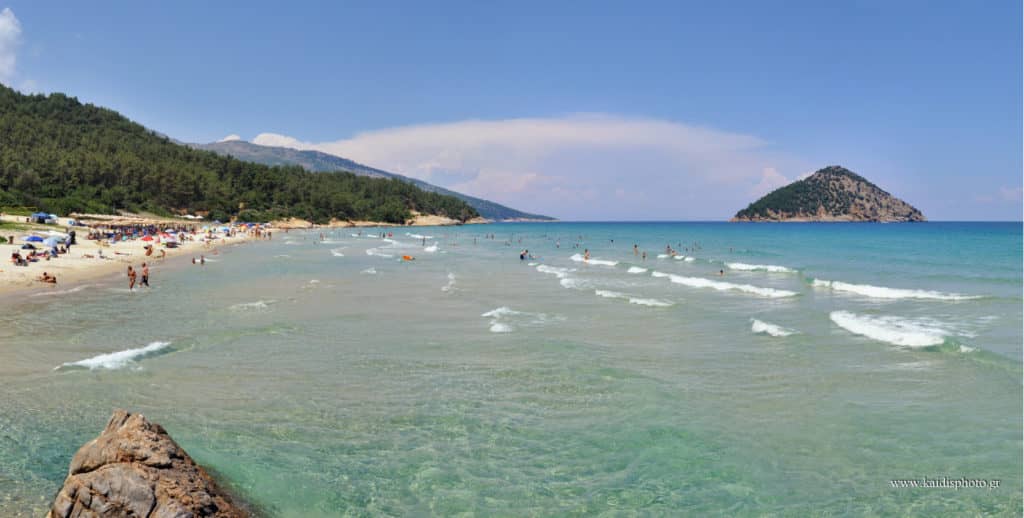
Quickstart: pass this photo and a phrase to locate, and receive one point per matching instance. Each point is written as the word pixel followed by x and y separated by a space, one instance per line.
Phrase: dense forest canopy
pixel 62 156
pixel 317 161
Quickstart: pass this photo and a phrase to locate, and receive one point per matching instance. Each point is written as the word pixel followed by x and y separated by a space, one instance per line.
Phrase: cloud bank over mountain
pixel 581 166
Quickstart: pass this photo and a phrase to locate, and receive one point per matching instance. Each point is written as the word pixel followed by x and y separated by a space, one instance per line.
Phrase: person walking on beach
pixel 145 275
pixel 131 278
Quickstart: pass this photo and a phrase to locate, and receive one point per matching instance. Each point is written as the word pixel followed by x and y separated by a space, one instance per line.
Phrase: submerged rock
pixel 134 469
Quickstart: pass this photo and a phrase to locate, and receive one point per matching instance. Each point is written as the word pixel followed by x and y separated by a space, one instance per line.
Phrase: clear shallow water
pixel 389 393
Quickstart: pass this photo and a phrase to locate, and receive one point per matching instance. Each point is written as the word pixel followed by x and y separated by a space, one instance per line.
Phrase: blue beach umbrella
pixel 51 242
pixel 33 239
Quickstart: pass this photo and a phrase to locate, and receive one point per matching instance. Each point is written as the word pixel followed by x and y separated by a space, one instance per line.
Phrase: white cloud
pixel 576 166
pixel 230 137
pixel 770 180
pixel 10 40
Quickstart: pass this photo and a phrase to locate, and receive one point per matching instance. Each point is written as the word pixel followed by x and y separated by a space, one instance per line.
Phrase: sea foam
pixel 337 252
pixel 881 292
pixel 656 303
pixel 762 327
pixel 259 305
pixel 699 282
pixel 116 360
pixel 636 269
pixel 600 262
pixel 890 329
pixel 770 268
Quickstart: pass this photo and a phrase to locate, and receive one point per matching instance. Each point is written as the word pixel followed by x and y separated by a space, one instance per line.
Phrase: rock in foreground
pixel 831 194
pixel 134 469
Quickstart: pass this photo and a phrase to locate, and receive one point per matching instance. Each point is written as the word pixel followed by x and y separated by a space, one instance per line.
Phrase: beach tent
pixel 40 217
pixel 51 242
pixel 33 239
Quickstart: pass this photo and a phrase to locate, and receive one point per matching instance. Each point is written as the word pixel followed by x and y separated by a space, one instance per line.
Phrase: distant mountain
pixel 323 162
pixel 831 194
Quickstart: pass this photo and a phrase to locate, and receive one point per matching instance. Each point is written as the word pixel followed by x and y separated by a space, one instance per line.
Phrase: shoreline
pixel 74 269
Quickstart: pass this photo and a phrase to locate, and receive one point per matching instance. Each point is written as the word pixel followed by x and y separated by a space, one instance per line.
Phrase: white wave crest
pixel 663 256
pixel 600 262
pixel 259 305
pixel 503 311
pixel 116 360
pixel 76 289
pixel 699 282
pixel 762 327
pixel 770 268
pixel 890 329
pixel 608 294
pixel 571 283
pixel 369 271
pixel 561 273
pixel 498 327
pixel 430 249
pixel 636 269
pixel 337 252
pixel 659 274
pixel 881 292
pixel 657 303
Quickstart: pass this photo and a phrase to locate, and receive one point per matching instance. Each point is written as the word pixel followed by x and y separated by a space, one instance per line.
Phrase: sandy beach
pixel 89 260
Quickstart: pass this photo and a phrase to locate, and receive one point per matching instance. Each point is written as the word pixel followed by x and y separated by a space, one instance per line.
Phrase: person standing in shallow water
pixel 145 275
pixel 131 278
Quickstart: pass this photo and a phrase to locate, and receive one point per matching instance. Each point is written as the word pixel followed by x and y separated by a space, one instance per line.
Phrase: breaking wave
pixel 881 292
pixel 600 262
pixel 762 327
pixel 890 329
pixel 636 269
pixel 770 268
pixel 116 360
pixel 699 282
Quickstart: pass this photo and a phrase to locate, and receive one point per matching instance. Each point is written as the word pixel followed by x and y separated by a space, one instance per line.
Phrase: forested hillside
pixel 62 156
pixel 317 161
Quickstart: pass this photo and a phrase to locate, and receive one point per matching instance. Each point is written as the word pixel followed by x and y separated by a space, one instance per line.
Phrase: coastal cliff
pixel 830 194
pixel 135 469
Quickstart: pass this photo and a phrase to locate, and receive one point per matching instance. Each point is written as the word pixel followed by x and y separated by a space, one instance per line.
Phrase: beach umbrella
pixel 51 242
pixel 33 239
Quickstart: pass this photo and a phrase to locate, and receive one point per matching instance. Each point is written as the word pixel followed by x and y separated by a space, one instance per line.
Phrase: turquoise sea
pixel 330 378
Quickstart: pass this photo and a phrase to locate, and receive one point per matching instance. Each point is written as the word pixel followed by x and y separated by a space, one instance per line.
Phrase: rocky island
pixel 134 469
pixel 830 194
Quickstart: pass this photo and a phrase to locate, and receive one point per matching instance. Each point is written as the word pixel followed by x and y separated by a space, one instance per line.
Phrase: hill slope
pixel 831 194
pixel 62 156
pixel 323 162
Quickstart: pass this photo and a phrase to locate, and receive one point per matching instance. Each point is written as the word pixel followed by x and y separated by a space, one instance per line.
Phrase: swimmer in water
pixel 636 251
pixel 586 254
pixel 721 273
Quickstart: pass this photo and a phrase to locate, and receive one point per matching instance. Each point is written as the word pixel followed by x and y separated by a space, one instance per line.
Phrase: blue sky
pixel 582 110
